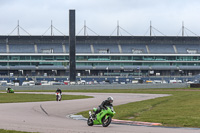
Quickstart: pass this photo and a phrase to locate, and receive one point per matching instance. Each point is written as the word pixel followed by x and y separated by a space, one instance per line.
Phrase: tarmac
pixel 53 116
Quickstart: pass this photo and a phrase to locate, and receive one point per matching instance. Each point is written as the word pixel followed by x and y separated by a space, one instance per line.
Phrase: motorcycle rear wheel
pixel 90 122
pixel 106 122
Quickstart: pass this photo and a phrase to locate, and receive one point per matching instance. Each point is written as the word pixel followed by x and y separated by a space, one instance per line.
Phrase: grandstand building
pixel 100 55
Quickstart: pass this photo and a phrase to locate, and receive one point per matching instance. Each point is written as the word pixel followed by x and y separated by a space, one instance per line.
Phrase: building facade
pixel 100 56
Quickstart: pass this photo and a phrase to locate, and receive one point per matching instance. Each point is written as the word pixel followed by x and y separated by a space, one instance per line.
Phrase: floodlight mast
pixel 150 29
pixel 85 28
pixel 18 28
pixel 118 28
pixel 183 28
pixel 51 28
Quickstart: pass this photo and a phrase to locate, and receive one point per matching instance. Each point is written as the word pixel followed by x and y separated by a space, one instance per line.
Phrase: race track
pixel 52 117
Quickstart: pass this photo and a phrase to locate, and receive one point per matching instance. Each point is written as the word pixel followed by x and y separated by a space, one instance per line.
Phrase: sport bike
pixel 58 96
pixel 104 117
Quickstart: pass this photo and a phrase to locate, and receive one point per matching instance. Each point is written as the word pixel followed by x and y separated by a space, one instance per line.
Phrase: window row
pixel 105 58
pixel 97 64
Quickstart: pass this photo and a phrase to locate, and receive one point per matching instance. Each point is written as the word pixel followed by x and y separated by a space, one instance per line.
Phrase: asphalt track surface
pixel 52 116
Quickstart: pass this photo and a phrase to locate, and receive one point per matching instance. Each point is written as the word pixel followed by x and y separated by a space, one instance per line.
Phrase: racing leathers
pixel 103 106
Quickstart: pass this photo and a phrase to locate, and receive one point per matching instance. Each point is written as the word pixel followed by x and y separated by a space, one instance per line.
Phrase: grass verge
pixel 15 98
pixel 11 131
pixel 181 109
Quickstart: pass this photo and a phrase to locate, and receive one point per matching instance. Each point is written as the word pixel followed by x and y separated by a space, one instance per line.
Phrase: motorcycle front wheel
pixel 90 122
pixel 106 122
pixel 57 98
pixel 60 98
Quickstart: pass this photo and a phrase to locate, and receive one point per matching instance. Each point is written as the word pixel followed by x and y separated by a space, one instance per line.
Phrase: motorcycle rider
pixel 59 91
pixel 107 102
pixel 8 89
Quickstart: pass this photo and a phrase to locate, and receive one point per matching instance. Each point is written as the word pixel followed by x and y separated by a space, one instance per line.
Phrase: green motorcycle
pixel 104 117
pixel 9 90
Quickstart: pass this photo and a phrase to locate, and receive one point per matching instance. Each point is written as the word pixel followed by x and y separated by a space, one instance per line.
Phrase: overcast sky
pixel 101 16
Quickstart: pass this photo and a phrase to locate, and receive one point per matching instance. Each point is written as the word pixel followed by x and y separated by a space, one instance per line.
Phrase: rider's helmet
pixel 110 99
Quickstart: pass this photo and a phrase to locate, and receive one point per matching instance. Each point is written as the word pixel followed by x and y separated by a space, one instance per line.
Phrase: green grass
pixel 15 98
pixel 11 131
pixel 181 109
